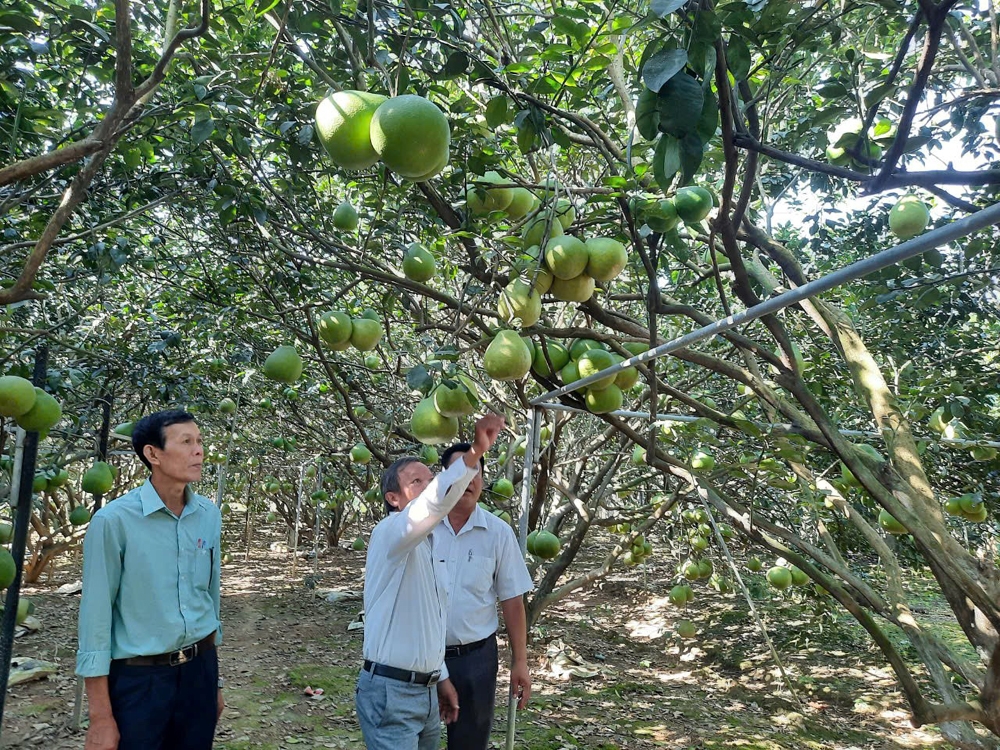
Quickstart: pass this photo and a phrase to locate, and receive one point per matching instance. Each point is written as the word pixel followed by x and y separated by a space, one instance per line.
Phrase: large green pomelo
pixel 360 454
pixel 507 357
pixel 335 327
pixel 888 522
pixel 43 415
pixel 365 334
pixel 8 569
pixel 566 256
pixel 661 216
pixel 483 199
pixel 535 231
pixel 592 362
pixel 343 122
pixel 565 213
pixel 452 401
pixel 606 258
pixel 579 289
pixel 558 355
pixel 17 396
pixel 780 578
pixel 692 204
pixel 541 279
pixel 519 300
pixel 909 217
pixel 345 217
pixel 283 364
pixel 580 346
pixel 603 400
pixel 98 479
pixel 570 372
pixel 411 135
pixel 627 378
pixel 687 629
pixel 418 263
pixel 521 201
pixel 79 516
pixel 430 427
pixel 547 545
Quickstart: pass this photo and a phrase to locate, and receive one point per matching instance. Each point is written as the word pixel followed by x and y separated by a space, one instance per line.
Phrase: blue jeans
pixel 397 715
pixel 166 708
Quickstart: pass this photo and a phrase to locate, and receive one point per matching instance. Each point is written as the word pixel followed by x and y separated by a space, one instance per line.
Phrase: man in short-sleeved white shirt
pixel 485 566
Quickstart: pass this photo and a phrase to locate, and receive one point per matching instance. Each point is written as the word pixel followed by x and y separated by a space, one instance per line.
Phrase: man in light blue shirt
pixel 149 616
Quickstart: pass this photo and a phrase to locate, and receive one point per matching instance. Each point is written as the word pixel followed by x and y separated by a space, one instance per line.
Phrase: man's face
pixel 413 479
pixel 182 454
pixel 475 489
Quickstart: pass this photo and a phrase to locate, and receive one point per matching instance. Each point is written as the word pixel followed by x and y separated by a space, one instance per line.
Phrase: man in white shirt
pixel 403 689
pixel 484 565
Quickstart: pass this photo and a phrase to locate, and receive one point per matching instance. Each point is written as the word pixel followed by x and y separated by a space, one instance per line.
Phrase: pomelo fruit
pixel 541 279
pixel 335 328
pixel 436 169
pixel 98 479
pixel 578 289
pixel 360 454
pixel 702 460
pixel 59 478
pixel 799 577
pixel 691 571
pixel 521 201
pixel 661 216
pixel 529 543
pixel 365 334
pixel 535 231
pixel 579 346
pixel 482 199
pixel 604 400
pixel 411 135
pixel 283 364
pixel 418 263
pixel 79 516
pixel 780 578
pixel 430 427
pixel 547 545
pixel 593 361
pixel 453 401
pixel 627 378
pixel 909 217
pixel 518 300
pixel 25 607
pixel 40 483
pixel 566 256
pixel 345 217
pixel 6 533
pixel 358 545
pixel 557 355
pixel 754 564
pixel 606 258
pixel 565 213
pixel 679 595
pixel 7 568
pixel 686 629
pixel 343 122
pixel 570 373
pixel 17 396
pixel 227 406
pixel 890 524
pixel 692 204
pixel 124 430
pixel 42 416
pixel 503 488
pixel 507 357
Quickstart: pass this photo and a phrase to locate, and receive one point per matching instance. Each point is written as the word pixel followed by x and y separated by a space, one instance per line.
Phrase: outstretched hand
pixel 487 431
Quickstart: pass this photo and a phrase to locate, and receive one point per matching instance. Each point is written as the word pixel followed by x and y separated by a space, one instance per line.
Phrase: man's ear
pixel 149 451
pixel 393 499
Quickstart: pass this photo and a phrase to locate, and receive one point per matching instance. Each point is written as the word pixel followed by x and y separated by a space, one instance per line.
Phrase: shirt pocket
pixel 478 574
pixel 201 567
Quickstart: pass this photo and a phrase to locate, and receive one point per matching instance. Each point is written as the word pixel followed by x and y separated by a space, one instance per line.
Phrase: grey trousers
pixel 474 676
pixel 396 715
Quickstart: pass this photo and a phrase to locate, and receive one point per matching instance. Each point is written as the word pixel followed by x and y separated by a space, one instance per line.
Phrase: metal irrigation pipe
pixel 916 246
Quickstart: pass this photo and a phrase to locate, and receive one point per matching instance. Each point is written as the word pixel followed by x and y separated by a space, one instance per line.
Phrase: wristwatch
pixel 222 683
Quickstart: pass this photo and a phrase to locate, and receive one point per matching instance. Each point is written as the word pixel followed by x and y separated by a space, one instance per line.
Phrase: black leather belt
pixel 462 650
pixel 403 675
pixel 174 658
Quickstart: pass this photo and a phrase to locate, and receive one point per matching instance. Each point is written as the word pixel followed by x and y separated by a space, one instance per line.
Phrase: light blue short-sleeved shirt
pixel 150 579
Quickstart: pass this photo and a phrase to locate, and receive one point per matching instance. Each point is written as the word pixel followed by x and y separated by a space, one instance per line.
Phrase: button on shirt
pixel 484 565
pixel 405 600
pixel 150 579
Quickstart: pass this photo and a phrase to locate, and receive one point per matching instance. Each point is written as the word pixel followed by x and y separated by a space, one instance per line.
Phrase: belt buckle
pixel 181 656
pixel 434 678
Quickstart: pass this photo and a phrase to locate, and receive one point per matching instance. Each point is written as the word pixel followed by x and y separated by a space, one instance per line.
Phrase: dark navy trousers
pixel 166 708
pixel 474 676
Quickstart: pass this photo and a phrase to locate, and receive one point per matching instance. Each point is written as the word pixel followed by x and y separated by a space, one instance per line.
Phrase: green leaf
pixel 497 112
pixel 456 64
pixel 663 66
pixel 709 121
pixel 202 130
pixel 526 135
pixel 418 379
pixel 647 115
pixel 663 8
pixel 692 151
pixel 738 57
pixel 666 161
pixel 680 104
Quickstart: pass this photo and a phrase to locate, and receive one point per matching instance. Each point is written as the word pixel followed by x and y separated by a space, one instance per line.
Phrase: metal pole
pixel 298 513
pixel 928 241
pixel 960 442
pixel 23 476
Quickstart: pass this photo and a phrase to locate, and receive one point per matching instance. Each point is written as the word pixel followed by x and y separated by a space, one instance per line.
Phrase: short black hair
pixel 149 430
pixel 390 478
pixel 460 448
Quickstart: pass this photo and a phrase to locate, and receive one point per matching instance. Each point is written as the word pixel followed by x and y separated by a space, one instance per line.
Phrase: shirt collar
pixel 476 520
pixel 151 501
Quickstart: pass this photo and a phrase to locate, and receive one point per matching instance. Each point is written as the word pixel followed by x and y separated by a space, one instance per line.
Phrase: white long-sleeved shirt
pixel 406 605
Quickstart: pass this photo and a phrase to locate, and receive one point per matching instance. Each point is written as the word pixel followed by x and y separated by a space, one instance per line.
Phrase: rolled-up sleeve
pixel 102 569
